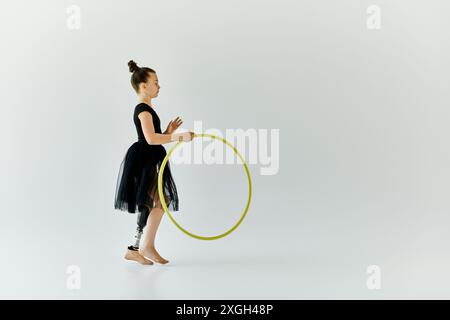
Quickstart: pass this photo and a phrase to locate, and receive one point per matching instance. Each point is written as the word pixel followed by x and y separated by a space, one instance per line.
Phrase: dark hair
pixel 139 74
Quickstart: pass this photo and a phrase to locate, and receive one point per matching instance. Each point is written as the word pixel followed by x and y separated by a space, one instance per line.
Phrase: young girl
pixel 137 183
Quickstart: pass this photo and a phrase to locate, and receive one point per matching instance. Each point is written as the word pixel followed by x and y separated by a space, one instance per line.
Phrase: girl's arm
pixel 159 138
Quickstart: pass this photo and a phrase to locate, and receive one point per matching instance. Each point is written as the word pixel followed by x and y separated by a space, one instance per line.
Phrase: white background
pixel 363 176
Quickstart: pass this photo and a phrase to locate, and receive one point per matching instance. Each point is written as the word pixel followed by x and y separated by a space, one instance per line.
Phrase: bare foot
pixel 152 254
pixel 136 256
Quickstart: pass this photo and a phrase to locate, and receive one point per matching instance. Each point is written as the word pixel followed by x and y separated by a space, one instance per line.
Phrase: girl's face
pixel 151 87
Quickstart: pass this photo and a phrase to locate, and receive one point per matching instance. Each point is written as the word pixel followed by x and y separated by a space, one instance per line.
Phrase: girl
pixel 137 180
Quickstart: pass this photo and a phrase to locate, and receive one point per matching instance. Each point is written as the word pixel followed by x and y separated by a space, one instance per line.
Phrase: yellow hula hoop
pixel 163 201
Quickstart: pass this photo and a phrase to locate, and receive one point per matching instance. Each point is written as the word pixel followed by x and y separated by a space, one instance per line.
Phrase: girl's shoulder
pixel 143 107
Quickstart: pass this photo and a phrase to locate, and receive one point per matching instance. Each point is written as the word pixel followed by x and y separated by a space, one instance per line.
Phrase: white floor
pixel 316 260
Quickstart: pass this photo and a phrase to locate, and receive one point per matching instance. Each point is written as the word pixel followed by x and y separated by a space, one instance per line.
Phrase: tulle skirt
pixel 137 181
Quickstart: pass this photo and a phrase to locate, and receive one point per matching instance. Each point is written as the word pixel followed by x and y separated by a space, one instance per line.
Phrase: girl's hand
pixel 173 125
pixel 183 136
pixel 187 136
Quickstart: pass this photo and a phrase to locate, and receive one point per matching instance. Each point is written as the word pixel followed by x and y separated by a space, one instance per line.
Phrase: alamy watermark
pixel 373 21
pixel 73 281
pixel 73 21
pixel 374 280
pixel 257 146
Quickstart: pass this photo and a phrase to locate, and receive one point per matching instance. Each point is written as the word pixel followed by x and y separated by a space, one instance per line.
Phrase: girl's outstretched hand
pixel 188 136
pixel 174 125
pixel 183 136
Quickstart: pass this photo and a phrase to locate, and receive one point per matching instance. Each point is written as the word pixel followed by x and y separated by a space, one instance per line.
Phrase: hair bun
pixel 132 66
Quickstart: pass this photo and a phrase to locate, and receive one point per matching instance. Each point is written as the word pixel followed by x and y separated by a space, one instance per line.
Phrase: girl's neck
pixel 146 100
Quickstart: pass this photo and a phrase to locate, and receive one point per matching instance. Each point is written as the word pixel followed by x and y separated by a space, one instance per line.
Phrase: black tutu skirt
pixel 137 181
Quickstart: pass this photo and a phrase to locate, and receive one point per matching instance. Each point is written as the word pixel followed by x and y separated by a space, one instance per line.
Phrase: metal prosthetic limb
pixel 141 222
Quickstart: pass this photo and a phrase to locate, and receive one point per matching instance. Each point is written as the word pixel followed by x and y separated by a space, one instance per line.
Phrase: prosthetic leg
pixel 141 222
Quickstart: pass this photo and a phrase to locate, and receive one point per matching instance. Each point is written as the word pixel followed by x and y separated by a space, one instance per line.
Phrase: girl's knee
pixel 158 203
pixel 157 211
